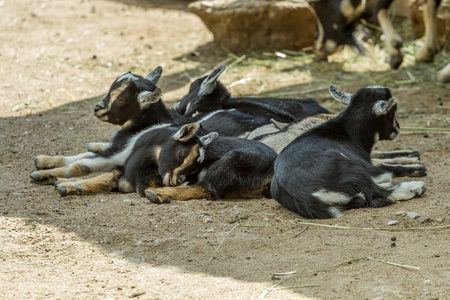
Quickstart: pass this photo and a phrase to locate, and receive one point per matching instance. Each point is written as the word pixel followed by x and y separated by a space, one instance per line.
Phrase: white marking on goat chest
pixel 351 12
pixel 201 156
pixel 332 198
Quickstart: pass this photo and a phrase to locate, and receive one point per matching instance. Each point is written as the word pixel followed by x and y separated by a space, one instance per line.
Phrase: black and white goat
pixel 134 103
pixel 207 94
pixel 277 136
pixel 226 167
pixel 327 169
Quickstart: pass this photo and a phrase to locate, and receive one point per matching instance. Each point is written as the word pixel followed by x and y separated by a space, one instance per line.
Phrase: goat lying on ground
pixel 277 136
pixel 134 103
pixel 207 94
pixel 227 167
pixel 327 169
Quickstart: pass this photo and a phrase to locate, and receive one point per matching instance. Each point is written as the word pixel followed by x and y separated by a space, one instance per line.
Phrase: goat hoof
pixel 167 200
pixel 36 177
pixel 154 198
pixel 62 191
pixel 395 60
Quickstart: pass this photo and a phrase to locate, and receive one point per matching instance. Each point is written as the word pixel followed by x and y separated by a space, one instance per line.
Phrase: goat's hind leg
pixel 406 191
pixel 80 168
pixel 99 184
pixel 45 162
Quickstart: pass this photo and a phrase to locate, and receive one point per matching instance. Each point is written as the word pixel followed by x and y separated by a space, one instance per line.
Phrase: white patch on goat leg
pixel 407 191
pixel 396 161
pixel 384 180
pixel 97 147
pixel 334 212
pixel 332 198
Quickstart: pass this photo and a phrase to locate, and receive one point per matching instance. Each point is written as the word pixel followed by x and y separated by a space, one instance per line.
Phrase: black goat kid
pixel 226 167
pixel 207 94
pixel 327 169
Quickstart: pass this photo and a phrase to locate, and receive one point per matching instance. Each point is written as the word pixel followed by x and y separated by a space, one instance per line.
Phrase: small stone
pixel 394 222
pixel 439 220
pixel 399 213
pixel 207 220
pixel 412 215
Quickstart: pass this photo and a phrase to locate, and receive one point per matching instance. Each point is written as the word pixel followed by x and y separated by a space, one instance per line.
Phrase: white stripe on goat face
pixel 128 75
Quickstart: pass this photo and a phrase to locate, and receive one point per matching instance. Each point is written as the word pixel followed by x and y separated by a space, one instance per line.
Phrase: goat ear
pixel 186 132
pixel 278 125
pixel 340 96
pixel 155 75
pixel 207 139
pixel 147 97
pixel 382 107
pixel 209 84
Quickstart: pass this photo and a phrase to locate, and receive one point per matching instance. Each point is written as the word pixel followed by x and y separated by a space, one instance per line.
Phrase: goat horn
pixel 340 96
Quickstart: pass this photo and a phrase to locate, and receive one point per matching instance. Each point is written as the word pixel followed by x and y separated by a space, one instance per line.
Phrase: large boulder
pixel 240 25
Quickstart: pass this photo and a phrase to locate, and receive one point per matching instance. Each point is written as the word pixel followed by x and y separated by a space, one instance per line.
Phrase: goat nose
pixel 97 107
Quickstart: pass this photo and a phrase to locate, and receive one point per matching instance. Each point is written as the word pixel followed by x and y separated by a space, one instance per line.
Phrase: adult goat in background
pixel 337 20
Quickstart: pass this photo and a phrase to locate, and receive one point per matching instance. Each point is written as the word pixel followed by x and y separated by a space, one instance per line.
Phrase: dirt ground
pixel 58 58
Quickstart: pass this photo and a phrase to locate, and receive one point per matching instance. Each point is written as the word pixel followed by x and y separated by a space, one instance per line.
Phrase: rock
pixel 439 220
pixel 258 24
pixel 400 213
pixel 394 222
pixel 412 215
pixel 207 220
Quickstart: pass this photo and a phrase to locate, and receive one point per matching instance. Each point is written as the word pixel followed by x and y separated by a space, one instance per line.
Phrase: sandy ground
pixel 58 58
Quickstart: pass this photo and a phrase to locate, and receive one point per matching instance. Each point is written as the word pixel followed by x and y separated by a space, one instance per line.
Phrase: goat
pixel 207 94
pixel 337 28
pixel 134 103
pixel 327 169
pixel 226 167
pixel 278 136
pixel 139 170
pixel 111 109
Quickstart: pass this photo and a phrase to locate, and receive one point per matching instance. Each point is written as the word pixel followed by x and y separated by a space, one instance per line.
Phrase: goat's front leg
pixel 44 162
pixel 99 184
pixel 393 40
pixel 80 168
pixel 182 193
